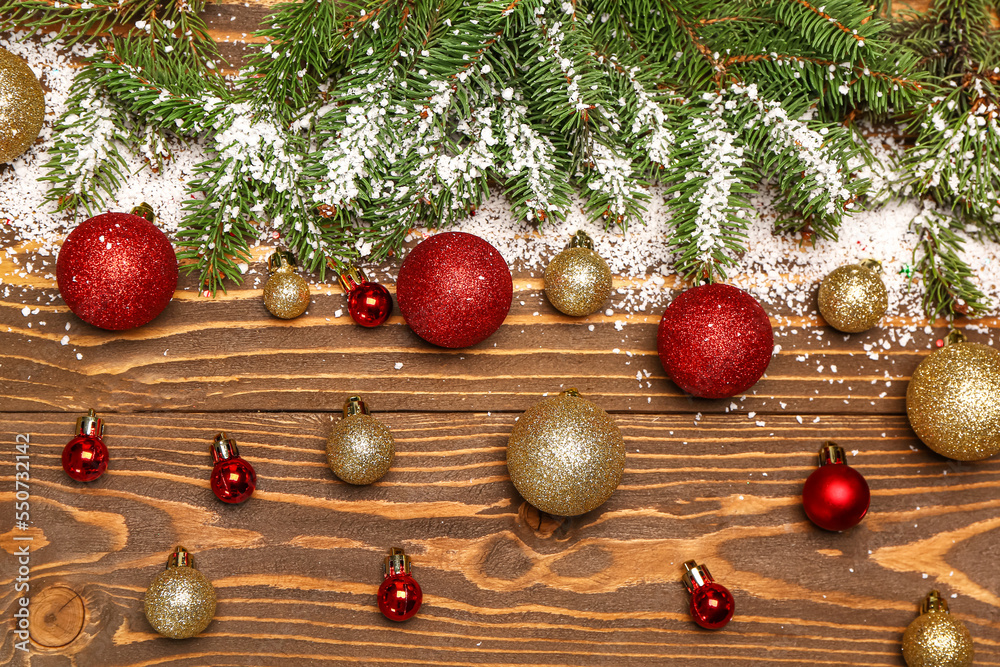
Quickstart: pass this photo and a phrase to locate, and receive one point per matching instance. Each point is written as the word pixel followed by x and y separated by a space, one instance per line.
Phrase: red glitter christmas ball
pixel 454 289
pixel 117 271
pixel 715 341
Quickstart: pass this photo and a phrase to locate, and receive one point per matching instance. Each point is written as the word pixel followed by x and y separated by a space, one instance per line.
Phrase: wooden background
pixel 296 567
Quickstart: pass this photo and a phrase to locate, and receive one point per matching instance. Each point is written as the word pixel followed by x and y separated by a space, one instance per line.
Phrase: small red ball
pixel 454 289
pixel 233 480
pixel 117 271
pixel 369 304
pixel 85 458
pixel 712 605
pixel 715 341
pixel 399 597
pixel 836 497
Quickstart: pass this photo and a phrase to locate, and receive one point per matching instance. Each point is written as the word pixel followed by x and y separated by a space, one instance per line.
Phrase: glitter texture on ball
pixel 286 293
pixel 180 602
pixel 936 638
pixel 953 400
pixel 566 455
pixel 715 341
pixel 853 298
pixel 360 449
pixel 117 271
pixel 454 289
pixel 578 280
pixel 22 107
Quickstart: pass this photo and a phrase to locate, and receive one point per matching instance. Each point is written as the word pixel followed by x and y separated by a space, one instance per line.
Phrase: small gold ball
pixel 565 455
pixel 953 401
pixel 577 281
pixel 853 298
pixel 180 602
pixel 360 449
pixel 286 295
pixel 22 106
pixel 937 639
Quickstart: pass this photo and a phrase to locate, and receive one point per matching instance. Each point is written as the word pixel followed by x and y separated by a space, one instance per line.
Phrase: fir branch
pixel 947 278
pixel 86 167
pixel 708 201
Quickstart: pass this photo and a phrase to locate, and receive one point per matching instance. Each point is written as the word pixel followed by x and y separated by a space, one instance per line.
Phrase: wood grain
pixel 297 566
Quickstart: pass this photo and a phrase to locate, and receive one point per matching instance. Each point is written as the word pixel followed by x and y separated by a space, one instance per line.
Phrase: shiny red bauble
pixel 712 605
pixel 369 304
pixel 835 496
pixel 85 458
pixel 399 597
pixel 117 271
pixel 454 289
pixel 715 341
pixel 233 479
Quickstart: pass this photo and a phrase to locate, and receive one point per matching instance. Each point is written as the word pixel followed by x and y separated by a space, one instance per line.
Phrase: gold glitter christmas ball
pixel 180 602
pixel 566 455
pixel 360 449
pixel 577 280
pixel 22 106
pixel 936 638
pixel 852 298
pixel 286 293
pixel 953 401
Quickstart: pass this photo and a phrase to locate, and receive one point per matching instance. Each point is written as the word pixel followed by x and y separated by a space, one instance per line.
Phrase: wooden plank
pixel 296 567
pixel 228 353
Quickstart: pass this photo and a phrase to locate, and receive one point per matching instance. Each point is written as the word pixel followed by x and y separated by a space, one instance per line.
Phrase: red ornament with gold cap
pixel 368 303
pixel 712 605
pixel 835 495
pixel 399 596
pixel 85 457
pixel 117 271
pixel 233 479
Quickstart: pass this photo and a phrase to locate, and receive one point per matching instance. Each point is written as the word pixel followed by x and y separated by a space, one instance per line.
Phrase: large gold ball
pixel 852 298
pixel 360 449
pixel 180 602
pixel 953 401
pixel 937 639
pixel 22 106
pixel 286 295
pixel 577 281
pixel 566 455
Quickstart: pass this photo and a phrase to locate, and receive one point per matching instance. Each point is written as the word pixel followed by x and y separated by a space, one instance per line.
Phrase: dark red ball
pixel 836 497
pixel 233 480
pixel 117 271
pixel 85 458
pixel 369 304
pixel 712 605
pixel 454 289
pixel 715 341
pixel 399 597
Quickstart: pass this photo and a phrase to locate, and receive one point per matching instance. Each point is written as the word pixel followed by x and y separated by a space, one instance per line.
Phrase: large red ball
pixel 117 271
pixel 836 497
pixel 715 341
pixel 454 289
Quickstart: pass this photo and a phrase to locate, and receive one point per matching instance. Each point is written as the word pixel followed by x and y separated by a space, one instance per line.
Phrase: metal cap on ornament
pixel 90 425
pixel 224 448
pixel 397 562
pixel 181 557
